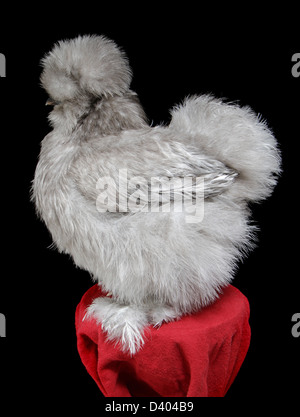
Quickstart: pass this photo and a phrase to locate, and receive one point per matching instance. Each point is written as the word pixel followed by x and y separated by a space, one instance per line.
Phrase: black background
pixel 173 53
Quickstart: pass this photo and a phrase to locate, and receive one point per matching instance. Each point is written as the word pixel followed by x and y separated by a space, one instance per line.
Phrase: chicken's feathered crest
pixel 89 64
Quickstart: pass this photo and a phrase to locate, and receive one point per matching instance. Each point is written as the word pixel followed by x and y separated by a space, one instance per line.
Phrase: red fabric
pixel 197 356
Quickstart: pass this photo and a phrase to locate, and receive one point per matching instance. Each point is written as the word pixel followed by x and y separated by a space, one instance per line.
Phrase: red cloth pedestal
pixel 196 356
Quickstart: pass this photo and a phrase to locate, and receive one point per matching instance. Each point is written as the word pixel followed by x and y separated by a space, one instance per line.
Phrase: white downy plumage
pixel 158 265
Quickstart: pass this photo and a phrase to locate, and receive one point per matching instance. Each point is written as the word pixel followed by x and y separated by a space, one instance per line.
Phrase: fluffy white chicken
pixel 157 215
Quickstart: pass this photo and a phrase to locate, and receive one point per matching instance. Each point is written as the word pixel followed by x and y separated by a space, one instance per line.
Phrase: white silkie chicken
pixel 157 215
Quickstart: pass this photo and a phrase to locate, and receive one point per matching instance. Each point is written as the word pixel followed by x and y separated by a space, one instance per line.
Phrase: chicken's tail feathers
pixel 235 136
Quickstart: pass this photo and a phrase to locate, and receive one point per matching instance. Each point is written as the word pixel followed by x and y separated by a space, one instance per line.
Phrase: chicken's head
pixel 83 68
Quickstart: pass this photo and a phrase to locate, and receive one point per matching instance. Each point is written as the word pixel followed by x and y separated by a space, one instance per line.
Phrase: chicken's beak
pixel 51 102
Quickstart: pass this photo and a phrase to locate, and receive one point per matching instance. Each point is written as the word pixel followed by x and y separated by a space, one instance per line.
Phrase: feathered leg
pixel 163 314
pixel 122 323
